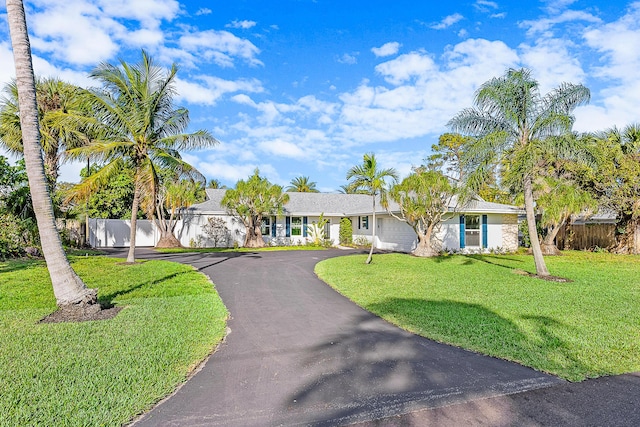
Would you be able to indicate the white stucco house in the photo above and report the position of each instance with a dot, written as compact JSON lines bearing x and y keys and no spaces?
{"x":477,"y":226}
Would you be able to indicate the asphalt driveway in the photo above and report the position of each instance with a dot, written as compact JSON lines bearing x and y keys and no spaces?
{"x":298,"y":353}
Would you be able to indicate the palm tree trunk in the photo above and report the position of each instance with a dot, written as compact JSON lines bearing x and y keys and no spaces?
{"x":131,"y":255}
{"x":68,"y":288}
{"x":538,"y":259}
{"x":373,"y":234}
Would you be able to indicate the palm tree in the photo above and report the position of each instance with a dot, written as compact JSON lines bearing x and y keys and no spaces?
{"x":369,"y":177}
{"x":61,"y":114}
{"x":302,"y":184}
{"x":68,"y":288}
{"x":512,"y":121}
{"x":143,"y":130}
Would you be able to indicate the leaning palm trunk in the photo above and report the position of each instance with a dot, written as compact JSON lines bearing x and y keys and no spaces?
{"x":68,"y":288}
{"x":541,"y":266}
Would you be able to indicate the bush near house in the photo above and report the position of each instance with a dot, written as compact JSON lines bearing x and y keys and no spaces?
{"x":346,"y":231}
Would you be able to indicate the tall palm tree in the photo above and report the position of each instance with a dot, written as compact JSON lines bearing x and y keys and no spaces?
{"x":143,"y":130}
{"x":62,"y":116}
{"x":302,"y":184}
{"x":512,"y":121}
{"x":369,"y":177}
{"x":68,"y":288}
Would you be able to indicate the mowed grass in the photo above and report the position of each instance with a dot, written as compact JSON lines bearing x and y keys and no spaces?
{"x":587,"y":328}
{"x":102,"y":372}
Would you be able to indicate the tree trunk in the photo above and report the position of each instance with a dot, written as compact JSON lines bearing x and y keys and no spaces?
{"x":131,"y":255}
{"x":168,"y":240}
{"x":424,"y":247}
{"x":538,"y":259}
{"x":627,"y":242}
{"x":68,"y":288}
{"x":548,"y":246}
{"x":253,"y":239}
{"x":373,"y":233}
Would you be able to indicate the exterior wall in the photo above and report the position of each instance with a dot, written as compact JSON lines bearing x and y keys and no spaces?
{"x":115,"y":233}
{"x":510,"y":232}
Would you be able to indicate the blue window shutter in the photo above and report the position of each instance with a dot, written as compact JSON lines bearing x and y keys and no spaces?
{"x":484,"y":231}
{"x":462,"y":232}
{"x":273,"y":226}
{"x":288,"y":226}
{"x":304,"y":226}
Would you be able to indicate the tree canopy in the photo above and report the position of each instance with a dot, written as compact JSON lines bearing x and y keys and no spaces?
{"x":251,"y":201}
{"x":302,"y":184}
{"x":512,"y":122}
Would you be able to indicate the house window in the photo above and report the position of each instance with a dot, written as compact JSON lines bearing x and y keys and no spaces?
{"x":296,"y":226}
{"x":265,"y":229}
{"x":472,"y":230}
{"x":363,"y":222}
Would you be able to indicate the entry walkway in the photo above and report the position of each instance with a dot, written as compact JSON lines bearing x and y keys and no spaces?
{"x":298,"y":353}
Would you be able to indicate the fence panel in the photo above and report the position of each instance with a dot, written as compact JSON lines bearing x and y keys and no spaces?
{"x":586,"y":236}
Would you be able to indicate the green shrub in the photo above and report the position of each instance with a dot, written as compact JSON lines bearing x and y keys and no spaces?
{"x":346,"y":231}
{"x":15,"y":235}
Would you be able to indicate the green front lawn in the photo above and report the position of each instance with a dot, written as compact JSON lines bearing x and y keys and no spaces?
{"x":587,"y":328}
{"x":102,"y":372}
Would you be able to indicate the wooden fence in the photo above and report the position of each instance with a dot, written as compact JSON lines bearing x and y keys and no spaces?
{"x":586,"y":236}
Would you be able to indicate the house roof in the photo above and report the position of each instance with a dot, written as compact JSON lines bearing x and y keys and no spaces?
{"x":335,"y":204}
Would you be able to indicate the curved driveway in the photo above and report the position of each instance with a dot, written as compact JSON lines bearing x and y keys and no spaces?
{"x":298,"y":353}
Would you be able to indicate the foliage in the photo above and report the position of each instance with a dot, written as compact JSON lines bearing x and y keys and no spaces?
{"x":448,"y":153}
{"x":252,"y":200}
{"x":316,"y":231}
{"x":615,"y":182}
{"x":302,"y":184}
{"x":576,"y":330}
{"x":62,"y":114}
{"x":14,"y":236}
{"x":423,"y":199}
{"x":215,"y":184}
{"x":141,"y":130}
{"x":217,"y":231}
{"x":346,"y":231}
{"x":515,"y":125}
{"x":372,"y":179}
{"x":109,"y":371}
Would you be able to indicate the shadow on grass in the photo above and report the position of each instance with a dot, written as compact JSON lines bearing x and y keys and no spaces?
{"x":497,"y":260}
{"x":377,"y":369}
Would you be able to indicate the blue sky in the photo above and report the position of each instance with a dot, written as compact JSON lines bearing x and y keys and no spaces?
{"x":302,"y":87}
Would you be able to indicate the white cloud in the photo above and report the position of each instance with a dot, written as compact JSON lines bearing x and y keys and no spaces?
{"x":280,"y":148}
{"x":447,"y":21}
{"x":386,"y":49}
{"x":220,"y":47}
{"x":544,"y":24}
{"x":204,"y":11}
{"x":485,"y":5}
{"x":245,"y":25}
{"x":207,"y":90}
{"x":405,"y":67}
{"x":348,"y":58}
{"x":552,"y":63}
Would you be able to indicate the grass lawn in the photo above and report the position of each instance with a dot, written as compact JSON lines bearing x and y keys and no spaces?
{"x":587,"y":328}
{"x":216,"y":250}
{"x":101,"y":372}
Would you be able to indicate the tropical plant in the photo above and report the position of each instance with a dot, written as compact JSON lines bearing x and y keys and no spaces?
{"x":252,"y":200}
{"x":142,"y":131}
{"x":512,"y":121}
{"x":215,"y":184}
{"x":62,"y":114}
{"x":302,"y":184}
{"x":368,"y":176}
{"x":423,"y":199}
{"x":173,"y":196}
{"x":69,"y":290}
{"x":448,"y":153}
{"x":558,"y":197}
{"x":616,"y":183}
{"x":315,"y":231}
